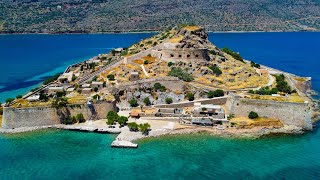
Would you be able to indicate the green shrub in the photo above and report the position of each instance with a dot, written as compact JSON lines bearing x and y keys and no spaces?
{"x":190,"y":96}
{"x":144,"y":128}
{"x":96,"y":89}
{"x":147,"y":101}
{"x":233,"y":54}
{"x":110,"y":77}
{"x":168,"y":100}
{"x":133,"y":103}
{"x":282,"y":85}
{"x":216,"y":93}
{"x":51,"y":79}
{"x":145,"y":62}
{"x":80,"y":118}
{"x":253,"y":115}
{"x":253,"y":64}
{"x":112,"y":117}
{"x":9,"y":100}
{"x":181,"y":74}
{"x":170,"y":64}
{"x":216,"y":70}
{"x":19,"y":97}
{"x":122,"y":120}
{"x":133,"y":126}
{"x":158,"y":86}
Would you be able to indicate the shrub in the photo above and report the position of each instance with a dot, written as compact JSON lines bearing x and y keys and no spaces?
{"x":190,"y":96}
{"x":112,"y":117}
{"x":96,"y":97}
{"x":144,"y":128}
{"x":111,"y":77}
{"x":233,"y":54}
{"x":133,"y":103}
{"x":60,"y":94}
{"x":170,"y":64}
{"x":19,"y":97}
{"x":216,"y":70}
{"x":230,"y":116}
{"x":253,"y":115}
{"x":216,"y":93}
{"x":253,"y":64}
{"x":282,"y":85}
{"x":9,"y":100}
{"x":51,"y":79}
{"x":80,"y":118}
{"x":147,"y":101}
{"x":158,"y":86}
{"x":181,"y":74}
{"x":122,"y":120}
{"x":145,"y":62}
{"x":96,"y":89}
{"x":59,"y":102}
{"x":168,"y":100}
{"x":133,"y":126}
{"x":149,"y":55}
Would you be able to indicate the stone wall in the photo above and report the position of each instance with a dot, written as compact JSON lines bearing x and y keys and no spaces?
{"x":185,"y":55}
{"x":215,"y":101}
{"x":44,"y":116}
{"x":289,"y":113}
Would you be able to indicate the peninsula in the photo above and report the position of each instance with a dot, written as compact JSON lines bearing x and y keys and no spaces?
{"x":173,"y":82}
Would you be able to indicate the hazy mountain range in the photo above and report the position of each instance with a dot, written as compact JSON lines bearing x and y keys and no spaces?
{"x":52,"y":16}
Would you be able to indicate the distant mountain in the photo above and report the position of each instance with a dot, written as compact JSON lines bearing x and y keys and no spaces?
{"x":53,"y":16}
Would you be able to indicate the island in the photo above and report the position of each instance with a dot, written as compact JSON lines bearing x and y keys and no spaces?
{"x":171,"y":83}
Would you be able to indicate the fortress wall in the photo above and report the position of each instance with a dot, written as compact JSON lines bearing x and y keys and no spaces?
{"x":45,"y":116}
{"x":215,"y":101}
{"x":289,"y":113}
{"x":189,"y":55}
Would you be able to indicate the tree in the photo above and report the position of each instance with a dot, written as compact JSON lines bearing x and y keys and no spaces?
{"x":112,"y":117}
{"x":158,"y":86}
{"x":170,"y":64}
{"x":96,"y":97}
{"x":147,"y":101}
{"x":253,"y":115}
{"x":19,"y":97}
{"x":216,"y":70}
{"x":111,"y":77}
{"x":122,"y":120}
{"x":233,"y":54}
{"x":60,"y":94}
{"x":133,"y":126}
{"x":145,"y":62}
{"x":133,"y":103}
{"x":96,"y":89}
{"x":190,"y":96}
{"x":181,"y":74}
{"x":216,"y":93}
{"x":9,"y":100}
{"x":168,"y":100}
{"x":144,"y":128}
{"x":80,"y":118}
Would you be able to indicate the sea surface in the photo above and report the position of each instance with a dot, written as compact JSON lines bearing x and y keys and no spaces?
{"x":56,"y":154}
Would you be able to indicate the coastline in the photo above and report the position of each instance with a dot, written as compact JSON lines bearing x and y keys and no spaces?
{"x":143,"y":32}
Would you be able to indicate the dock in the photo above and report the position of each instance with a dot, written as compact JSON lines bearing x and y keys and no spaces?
{"x":123,"y":144}
{"x":91,"y":129}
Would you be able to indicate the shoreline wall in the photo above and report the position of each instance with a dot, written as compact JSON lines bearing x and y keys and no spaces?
{"x":46,"y":116}
{"x":297,"y":114}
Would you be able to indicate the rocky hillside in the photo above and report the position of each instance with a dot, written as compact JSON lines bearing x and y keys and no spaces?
{"x":90,"y":16}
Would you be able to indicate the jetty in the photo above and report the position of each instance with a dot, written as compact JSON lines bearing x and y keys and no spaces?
{"x":123,"y":144}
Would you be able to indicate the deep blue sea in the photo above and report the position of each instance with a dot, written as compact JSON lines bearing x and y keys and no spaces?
{"x":55,"y":154}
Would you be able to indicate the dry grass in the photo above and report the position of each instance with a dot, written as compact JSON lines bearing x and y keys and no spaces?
{"x":138,"y":61}
{"x":291,"y":98}
{"x":176,"y":39}
{"x":301,"y":79}
{"x":25,"y":103}
{"x":245,"y":122}
{"x":150,"y":59}
{"x":77,"y":99}
{"x":191,"y":28}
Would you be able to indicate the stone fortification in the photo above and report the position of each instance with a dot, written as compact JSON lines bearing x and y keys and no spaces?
{"x":45,"y":116}
{"x":216,"y":101}
{"x":297,"y":114}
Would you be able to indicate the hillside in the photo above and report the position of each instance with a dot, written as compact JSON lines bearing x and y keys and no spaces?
{"x":51,"y":16}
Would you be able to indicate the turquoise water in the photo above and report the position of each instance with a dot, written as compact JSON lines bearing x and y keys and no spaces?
{"x":53,"y":154}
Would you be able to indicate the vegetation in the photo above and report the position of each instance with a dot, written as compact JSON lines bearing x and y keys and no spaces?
{"x":122,"y":120}
{"x":145,"y":62}
{"x":111,"y":77}
{"x":133,"y":103}
{"x":95,"y":89}
{"x":181,"y":74}
{"x":253,"y":115}
{"x":80,"y":118}
{"x":253,"y":64}
{"x":190,"y":96}
{"x":96,"y":97}
{"x":144,"y":128}
{"x":51,"y":79}
{"x":168,"y":100}
{"x":170,"y":64}
{"x":133,"y":126}
{"x":233,"y":54}
{"x":216,"y":70}
{"x":9,"y":100}
{"x":60,"y":94}
{"x":230,"y":116}
{"x":158,"y":86}
{"x":19,"y":97}
{"x":282,"y":84}
{"x":59,"y":102}
{"x":264,"y":91}
{"x":216,"y":93}
{"x":147,"y":101}
{"x":112,"y":117}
